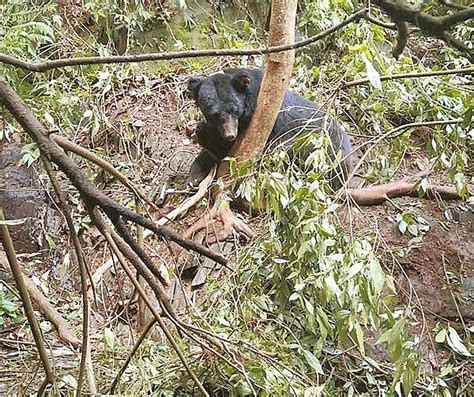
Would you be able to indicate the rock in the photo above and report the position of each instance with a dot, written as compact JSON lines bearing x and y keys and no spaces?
{"x":22,"y":197}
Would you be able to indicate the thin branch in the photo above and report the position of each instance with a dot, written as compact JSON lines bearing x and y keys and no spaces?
{"x":391,"y":134}
{"x":65,"y":333}
{"x":399,"y":76}
{"x":375,"y":21}
{"x":161,"y":56}
{"x":170,"y":216}
{"x":137,"y":345}
{"x":25,"y":298}
{"x":135,"y":246}
{"x":112,"y":239}
{"x":85,"y":352}
{"x":105,"y":165}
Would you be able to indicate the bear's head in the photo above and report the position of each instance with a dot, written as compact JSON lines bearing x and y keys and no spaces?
{"x":222,"y":97}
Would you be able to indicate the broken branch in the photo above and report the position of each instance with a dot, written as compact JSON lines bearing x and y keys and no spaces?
{"x":399,"y":76}
{"x":25,"y":298}
{"x":65,"y":333}
{"x":407,"y":186}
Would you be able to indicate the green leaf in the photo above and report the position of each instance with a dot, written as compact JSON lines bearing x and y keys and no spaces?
{"x":294,"y":296}
{"x":409,"y":377}
{"x":313,"y":362}
{"x":441,"y":336}
{"x":402,"y":226}
{"x":376,"y":274}
{"x":109,"y":338}
{"x":70,"y":381}
{"x":372,"y":74}
{"x":49,"y":118}
{"x":309,"y":306}
{"x":359,"y":334}
{"x":332,"y":285}
{"x":467,"y":119}
{"x":456,"y":343}
{"x":323,"y":322}
{"x":354,"y":269}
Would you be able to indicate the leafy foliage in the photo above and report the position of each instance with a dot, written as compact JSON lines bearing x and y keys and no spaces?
{"x":9,"y":310}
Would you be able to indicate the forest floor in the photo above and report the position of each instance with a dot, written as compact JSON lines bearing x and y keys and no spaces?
{"x":148,"y":140}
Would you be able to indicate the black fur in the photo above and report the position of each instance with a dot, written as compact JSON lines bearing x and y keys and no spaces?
{"x":228,"y":101}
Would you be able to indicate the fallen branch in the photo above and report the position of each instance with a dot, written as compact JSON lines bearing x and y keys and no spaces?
{"x":65,"y":333}
{"x":392,"y":134}
{"x":105,"y":165}
{"x":121,"y":250}
{"x":27,"y":305}
{"x":407,"y":186}
{"x":162,"y":56}
{"x":85,"y":348}
{"x":172,"y":215}
{"x":136,"y":346}
{"x":190,"y":202}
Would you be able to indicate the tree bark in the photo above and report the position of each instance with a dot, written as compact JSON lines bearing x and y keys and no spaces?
{"x":274,"y":83}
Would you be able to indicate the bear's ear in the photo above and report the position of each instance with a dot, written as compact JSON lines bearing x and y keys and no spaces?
{"x":241,"y":81}
{"x":193,"y":86}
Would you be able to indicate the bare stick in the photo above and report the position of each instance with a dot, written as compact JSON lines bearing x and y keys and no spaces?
{"x":105,"y":165}
{"x":111,"y":240}
{"x":170,"y":216}
{"x":25,"y":298}
{"x":65,"y":333}
{"x":392,"y":134}
{"x":399,"y":76}
{"x":407,"y":186}
{"x":162,"y":56}
{"x":137,"y":345}
{"x":85,"y":352}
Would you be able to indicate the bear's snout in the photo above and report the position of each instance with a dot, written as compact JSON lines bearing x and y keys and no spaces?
{"x":229,"y":129}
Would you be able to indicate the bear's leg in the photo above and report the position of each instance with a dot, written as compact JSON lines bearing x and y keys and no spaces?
{"x":200,"y":168}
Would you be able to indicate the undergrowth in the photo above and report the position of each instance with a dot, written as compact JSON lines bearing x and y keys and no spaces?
{"x":309,"y":300}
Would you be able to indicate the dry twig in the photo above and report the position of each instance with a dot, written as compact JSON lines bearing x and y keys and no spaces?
{"x":65,"y":333}
{"x":27,"y":305}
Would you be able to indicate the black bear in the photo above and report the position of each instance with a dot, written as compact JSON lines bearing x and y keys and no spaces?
{"x":228,"y":100}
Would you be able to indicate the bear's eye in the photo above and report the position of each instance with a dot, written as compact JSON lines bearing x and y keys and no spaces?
{"x":213,"y":112}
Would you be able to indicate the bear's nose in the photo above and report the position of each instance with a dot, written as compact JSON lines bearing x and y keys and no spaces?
{"x":229,"y":130}
{"x":230,"y":137}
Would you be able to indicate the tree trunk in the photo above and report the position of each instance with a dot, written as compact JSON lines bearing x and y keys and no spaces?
{"x":272,"y":89}
{"x":274,"y":84}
